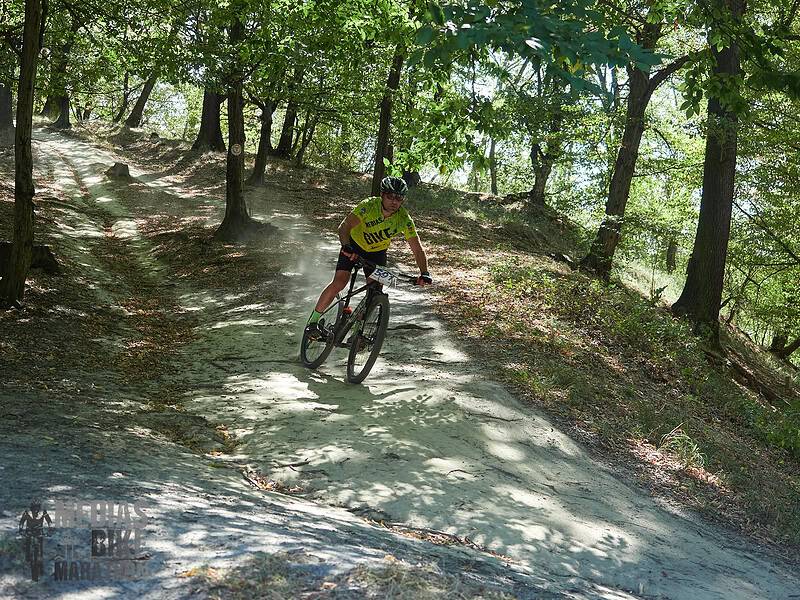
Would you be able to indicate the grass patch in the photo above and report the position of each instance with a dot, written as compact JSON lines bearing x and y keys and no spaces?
{"x":283,"y":577}
{"x":614,"y":364}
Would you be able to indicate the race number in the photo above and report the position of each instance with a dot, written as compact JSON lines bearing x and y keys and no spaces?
{"x":383,"y":276}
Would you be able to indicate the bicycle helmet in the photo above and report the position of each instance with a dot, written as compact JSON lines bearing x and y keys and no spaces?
{"x":394,"y":185}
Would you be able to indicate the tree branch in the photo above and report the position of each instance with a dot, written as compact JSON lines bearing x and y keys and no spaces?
{"x":760,"y":223}
{"x":661,"y":76}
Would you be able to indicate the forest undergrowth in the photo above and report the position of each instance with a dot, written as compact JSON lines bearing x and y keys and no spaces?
{"x":716,"y":432}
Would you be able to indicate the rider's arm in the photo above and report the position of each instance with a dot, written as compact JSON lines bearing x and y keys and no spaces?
{"x":419,"y":254}
{"x":345,"y":226}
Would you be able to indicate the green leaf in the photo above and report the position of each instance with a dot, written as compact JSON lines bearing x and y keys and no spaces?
{"x":436,"y":13}
{"x":424,"y":35}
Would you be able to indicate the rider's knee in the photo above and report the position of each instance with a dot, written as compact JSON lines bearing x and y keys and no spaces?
{"x":340,"y":280}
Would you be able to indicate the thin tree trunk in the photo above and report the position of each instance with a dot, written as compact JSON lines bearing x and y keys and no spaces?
{"x":55,"y":102}
{"x":50,"y":108}
{"x":542,"y":162}
{"x":779,"y":341}
{"x":789,"y":349}
{"x":284,"y":149}
{"x":493,"y":166}
{"x":135,"y":118}
{"x":382,"y":145}
{"x":63,"y":122}
{"x":6,"y":107}
{"x":264,"y":144}
{"x":641,"y":87}
{"x":308,"y":134}
{"x":601,"y":254}
{"x":126,"y":99}
{"x":87,"y":113}
{"x":412,"y":178}
{"x":702,"y":292}
{"x":237,"y":217}
{"x":672,"y":255}
{"x":12,"y":285}
{"x":544,"y":153}
{"x":6,"y":116}
{"x":210,"y":135}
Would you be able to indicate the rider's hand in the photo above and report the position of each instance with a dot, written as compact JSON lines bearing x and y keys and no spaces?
{"x":349,"y":252}
{"x":424,"y":279}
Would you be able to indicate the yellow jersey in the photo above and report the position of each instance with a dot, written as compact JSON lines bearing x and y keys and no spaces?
{"x":375,"y":232}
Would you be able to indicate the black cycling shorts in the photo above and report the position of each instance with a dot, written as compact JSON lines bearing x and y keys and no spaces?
{"x":345,"y":264}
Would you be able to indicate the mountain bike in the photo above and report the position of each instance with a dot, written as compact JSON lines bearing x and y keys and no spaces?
{"x":367,"y":322}
{"x":34,"y":543}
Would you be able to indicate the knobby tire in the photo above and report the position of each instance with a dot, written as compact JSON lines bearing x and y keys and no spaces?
{"x":375,"y":338}
{"x":311,"y":360}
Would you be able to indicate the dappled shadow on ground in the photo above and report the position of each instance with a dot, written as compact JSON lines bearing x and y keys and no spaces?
{"x":427,"y":442}
{"x":199,"y":511}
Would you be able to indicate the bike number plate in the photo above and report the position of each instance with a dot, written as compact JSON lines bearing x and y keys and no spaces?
{"x":383,"y":276}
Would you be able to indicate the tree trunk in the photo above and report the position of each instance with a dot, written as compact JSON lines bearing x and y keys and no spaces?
{"x":542,"y":163}
{"x":63,"y":122}
{"x":50,"y":108}
{"x":284,"y":149}
{"x":382,"y":146}
{"x":12,"y":285}
{"x":210,"y":135}
{"x":601,"y":254}
{"x":779,"y":341}
{"x":308,"y":134}
{"x":789,"y":349}
{"x":237,"y":218}
{"x":135,"y":118}
{"x":264,"y":144}
{"x":672,"y":255}
{"x":55,"y":103}
{"x":545,"y":152}
{"x":702,"y":292}
{"x":6,"y":107}
{"x":126,"y":98}
{"x":412,"y":178}
{"x":493,"y":166}
{"x":6,"y":118}
{"x":87,"y":113}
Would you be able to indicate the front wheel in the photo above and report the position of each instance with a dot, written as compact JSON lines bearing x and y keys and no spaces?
{"x":367,"y":339}
{"x":314,"y":352}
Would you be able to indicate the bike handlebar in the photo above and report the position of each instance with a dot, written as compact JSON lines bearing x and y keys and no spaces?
{"x":412,"y":279}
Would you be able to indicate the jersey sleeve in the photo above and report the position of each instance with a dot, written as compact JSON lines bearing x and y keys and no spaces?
{"x":409,"y":230}
{"x":361,"y":208}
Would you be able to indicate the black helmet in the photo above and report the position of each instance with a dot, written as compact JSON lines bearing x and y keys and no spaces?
{"x":394,"y":185}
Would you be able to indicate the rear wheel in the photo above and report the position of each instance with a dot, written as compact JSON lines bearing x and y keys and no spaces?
{"x":367,"y":339}
{"x":314,"y":352}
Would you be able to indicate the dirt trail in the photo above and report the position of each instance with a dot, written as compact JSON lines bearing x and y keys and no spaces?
{"x":428,"y":441}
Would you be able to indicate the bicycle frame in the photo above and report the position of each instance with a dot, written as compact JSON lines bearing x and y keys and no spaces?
{"x":343,"y":325}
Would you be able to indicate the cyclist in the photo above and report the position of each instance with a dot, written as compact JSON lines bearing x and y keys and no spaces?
{"x":367,"y":232}
{"x":31,"y":525}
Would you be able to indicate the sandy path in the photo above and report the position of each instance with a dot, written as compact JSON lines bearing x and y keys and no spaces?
{"x":427,"y":441}
{"x":430,"y":441}
{"x":97,"y":446}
